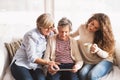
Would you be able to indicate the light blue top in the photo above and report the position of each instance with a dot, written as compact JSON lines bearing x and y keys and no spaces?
{"x":32,"y":47}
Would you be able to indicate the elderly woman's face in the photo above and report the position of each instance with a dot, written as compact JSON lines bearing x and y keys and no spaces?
{"x":63,"y":32}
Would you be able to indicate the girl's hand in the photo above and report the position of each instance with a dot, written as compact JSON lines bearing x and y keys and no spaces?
{"x":75,"y":69}
{"x":94,"y":48}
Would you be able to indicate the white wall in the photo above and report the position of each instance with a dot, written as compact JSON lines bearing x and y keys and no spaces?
{"x":78,"y":11}
{"x":16,"y":23}
{"x":19,"y":16}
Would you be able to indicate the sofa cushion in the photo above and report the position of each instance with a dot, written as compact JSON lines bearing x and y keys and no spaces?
{"x":12,"y":48}
{"x":117,"y":53}
{"x":113,"y":75}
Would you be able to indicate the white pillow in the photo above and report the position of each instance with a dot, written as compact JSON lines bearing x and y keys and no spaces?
{"x":8,"y":75}
{"x":113,"y":75}
{"x":117,"y":53}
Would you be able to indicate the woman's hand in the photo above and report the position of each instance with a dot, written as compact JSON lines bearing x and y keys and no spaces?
{"x":52,"y":69}
{"x":75,"y":69}
{"x":55,"y":31}
{"x":52,"y":63}
{"x":94,"y":48}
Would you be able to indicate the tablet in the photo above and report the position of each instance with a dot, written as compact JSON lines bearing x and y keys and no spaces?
{"x":65,"y":70}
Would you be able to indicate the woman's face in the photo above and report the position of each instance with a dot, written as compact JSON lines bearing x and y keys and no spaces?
{"x":64,"y":32}
{"x":93,"y":26}
{"x":46,"y":31}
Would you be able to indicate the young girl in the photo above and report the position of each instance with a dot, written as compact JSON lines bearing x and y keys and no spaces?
{"x":96,"y":44}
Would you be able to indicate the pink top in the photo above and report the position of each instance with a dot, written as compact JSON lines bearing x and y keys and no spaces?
{"x":62,"y":51}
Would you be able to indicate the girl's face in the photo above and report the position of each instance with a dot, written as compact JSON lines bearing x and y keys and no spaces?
{"x":93,"y":26}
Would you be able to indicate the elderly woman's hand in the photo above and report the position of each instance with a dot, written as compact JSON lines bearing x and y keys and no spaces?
{"x":52,"y":69}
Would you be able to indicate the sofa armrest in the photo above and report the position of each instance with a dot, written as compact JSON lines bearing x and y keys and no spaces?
{"x":8,"y":75}
{"x":117,"y":53}
{"x":1,"y":64}
{"x":3,"y":61}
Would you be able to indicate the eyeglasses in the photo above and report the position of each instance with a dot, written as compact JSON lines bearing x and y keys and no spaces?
{"x":49,"y":28}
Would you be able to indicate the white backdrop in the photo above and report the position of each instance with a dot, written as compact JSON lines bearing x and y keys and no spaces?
{"x":19,"y":16}
{"x":78,"y":11}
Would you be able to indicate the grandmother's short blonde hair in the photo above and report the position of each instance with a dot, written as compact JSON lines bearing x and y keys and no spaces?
{"x":45,"y":20}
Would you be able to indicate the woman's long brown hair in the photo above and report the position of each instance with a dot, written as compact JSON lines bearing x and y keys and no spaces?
{"x":104,"y":37}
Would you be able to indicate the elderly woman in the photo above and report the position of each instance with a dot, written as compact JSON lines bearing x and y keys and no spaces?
{"x":63,"y":49}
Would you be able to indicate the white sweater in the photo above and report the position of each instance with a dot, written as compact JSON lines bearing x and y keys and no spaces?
{"x":87,"y":37}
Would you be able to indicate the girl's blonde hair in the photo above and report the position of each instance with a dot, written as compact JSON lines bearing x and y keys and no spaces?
{"x":45,"y":21}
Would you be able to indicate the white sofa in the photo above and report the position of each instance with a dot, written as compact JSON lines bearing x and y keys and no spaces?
{"x":6,"y":75}
{"x":4,"y":60}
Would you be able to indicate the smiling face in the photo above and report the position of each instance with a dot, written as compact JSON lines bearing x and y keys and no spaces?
{"x":45,"y":24}
{"x":46,"y":30}
{"x":93,"y":26}
{"x":64,"y":32}
{"x":64,"y":28}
